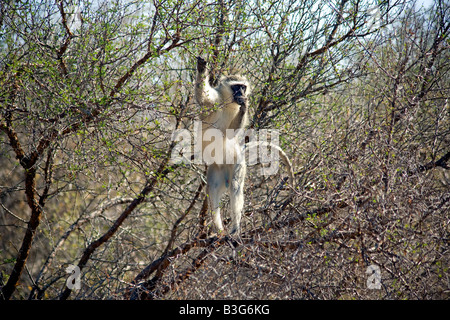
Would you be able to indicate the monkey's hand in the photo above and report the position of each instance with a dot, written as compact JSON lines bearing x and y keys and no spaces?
{"x":201,"y":65}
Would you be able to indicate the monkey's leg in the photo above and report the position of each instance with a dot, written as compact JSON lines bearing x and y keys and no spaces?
{"x":216,"y":189}
{"x":237,"y":196}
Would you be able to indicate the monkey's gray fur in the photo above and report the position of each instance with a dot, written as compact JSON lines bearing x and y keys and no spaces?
{"x":226,"y":106}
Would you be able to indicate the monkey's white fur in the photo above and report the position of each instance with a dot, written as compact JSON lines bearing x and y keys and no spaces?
{"x":223,"y":113}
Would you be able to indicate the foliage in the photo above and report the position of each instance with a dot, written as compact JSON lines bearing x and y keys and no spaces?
{"x":91,"y":92}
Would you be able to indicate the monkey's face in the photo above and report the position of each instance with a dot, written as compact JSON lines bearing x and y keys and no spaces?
{"x":239,"y":94}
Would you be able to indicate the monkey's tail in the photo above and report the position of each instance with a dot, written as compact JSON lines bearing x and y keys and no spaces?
{"x":284,"y":158}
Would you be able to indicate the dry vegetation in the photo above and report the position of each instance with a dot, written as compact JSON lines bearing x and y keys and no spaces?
{"x":90,"y":94}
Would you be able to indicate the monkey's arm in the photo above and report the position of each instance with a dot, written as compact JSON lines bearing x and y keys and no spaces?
{"x":204,"y":93}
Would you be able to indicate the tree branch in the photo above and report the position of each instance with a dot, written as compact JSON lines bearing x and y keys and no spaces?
{"x":33,"y":223}
{"x":140,"y":289}
{"x":161,"y":172}
{"x":442,"y":162}
{"x":66,"y":43}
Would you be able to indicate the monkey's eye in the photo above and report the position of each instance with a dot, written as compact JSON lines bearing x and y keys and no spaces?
{"x":238,"y":88}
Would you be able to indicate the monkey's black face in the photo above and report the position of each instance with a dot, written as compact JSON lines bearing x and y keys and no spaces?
{"x":239,"y":94}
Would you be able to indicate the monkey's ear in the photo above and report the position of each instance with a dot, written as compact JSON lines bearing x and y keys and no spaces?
{"x":201,"y":65}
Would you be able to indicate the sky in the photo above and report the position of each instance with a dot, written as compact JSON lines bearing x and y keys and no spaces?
{"x":425,"y":3}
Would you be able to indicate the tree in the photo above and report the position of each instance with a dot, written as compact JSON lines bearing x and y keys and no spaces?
{"x":91,"y":94}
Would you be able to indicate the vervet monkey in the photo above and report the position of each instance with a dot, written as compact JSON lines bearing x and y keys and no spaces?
{"x":226,"y":105}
